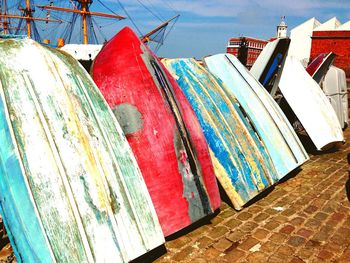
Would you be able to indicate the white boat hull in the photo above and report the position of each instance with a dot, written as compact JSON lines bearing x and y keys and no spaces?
{"x":310,"y":105}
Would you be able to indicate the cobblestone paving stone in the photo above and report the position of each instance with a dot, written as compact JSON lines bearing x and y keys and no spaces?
{"x":305,"y":218}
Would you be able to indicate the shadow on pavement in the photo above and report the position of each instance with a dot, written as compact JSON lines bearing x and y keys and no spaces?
{"x":151,"y":255}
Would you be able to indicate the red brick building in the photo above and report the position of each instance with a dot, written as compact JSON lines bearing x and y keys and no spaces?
{"x":337,"y":41}
{"x":246,"y":49}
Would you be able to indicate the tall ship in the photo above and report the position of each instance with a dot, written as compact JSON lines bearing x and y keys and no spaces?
{"x":79,"y":27}
{"x":59,"y":22}
{"x":46,"y":21}
{"x":16,"y":17}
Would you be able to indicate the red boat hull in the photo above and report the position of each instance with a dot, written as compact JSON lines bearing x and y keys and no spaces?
{"x":162,"y":130}
{"x":318,"y":68}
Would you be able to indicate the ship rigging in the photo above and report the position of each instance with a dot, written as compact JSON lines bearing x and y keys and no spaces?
{"x":74,"y":21}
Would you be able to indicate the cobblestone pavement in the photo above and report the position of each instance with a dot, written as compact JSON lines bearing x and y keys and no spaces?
{"x":305,"y":218}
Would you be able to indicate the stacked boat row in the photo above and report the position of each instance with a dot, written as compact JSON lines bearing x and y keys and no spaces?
{"x":92,"y":179}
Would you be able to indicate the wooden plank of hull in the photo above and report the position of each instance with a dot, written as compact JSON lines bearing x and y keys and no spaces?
{"x":241,"y":162}
{"x":310,"y":105}
{"x":168,"y":144}
{"x":75,"y":173}
{"x":279,"y":138}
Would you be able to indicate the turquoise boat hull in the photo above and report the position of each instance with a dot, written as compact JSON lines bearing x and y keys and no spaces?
{"x":70,"y":187}
{"x":282,"y":143}
{"x":241,"y":162}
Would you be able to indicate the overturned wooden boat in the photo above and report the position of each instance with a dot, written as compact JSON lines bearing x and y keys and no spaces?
{"x":161,"y":128}
{"x":279,"y":138}
{"x":242,"y":164}
{"x":70,"y":187}
{"x":269,"y":65}
{"x":310,"y":105}
{"x":318,"y":68}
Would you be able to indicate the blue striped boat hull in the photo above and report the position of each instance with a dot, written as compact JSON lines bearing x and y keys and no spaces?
{"x":282,"y":143}
{"x":241,"y":162}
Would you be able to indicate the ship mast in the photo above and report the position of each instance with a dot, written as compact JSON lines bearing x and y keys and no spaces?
{"x":84,"y":12}
{"x":146,"y":38}
{"x":28,"y":12}
{"x":27,"y":15}
{"x":3,"y":20}
{"x":84,"y":9}
{"x":4,"y":23}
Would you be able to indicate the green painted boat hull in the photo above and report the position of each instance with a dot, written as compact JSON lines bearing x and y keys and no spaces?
{"x":70,"y":187}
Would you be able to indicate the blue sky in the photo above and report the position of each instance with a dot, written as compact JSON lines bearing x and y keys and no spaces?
{"x":204,"y":27}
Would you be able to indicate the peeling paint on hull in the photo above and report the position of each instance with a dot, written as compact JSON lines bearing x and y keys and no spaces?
{"x":282,"y":143}
{"x":70,"y":188}
{"x":169,"y":145}
{"x":241,"y":162}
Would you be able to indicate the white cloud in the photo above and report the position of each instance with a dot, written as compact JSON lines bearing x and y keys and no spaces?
{"x":231,"y":8}
{"x":212,"y":22}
